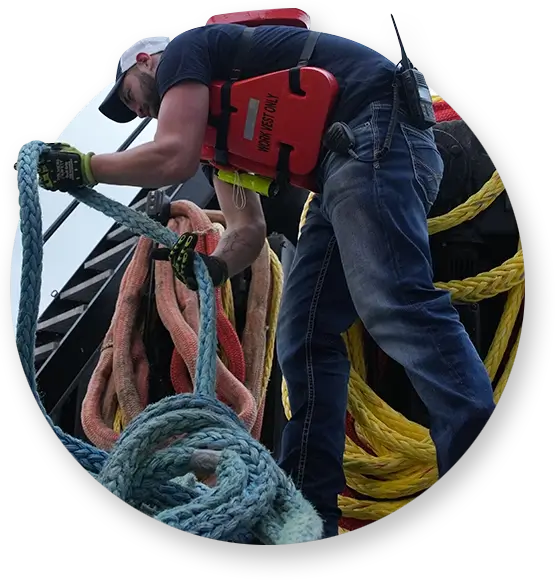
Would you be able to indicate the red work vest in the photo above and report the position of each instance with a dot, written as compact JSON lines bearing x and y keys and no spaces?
{"x":271,"y":125}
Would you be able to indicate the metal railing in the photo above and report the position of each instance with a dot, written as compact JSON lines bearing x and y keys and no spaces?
{"x":74,"y":203}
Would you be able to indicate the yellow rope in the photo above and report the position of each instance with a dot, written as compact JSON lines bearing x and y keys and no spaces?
{"x":403,"y":459}
{"x":473,"y":206}
{"x":276,"y":295}
{"x":228,"y":306}
{"x":118,"y":420}
{"x":228,"y":302}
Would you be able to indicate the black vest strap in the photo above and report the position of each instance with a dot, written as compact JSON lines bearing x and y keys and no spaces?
{"x":223,"y":124}
{"x":241,"y":54}
{"x":306,"y":54}
{"x":283,"y":165}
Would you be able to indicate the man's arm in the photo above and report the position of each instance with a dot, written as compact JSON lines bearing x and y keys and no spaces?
{"x":245,"y":232}
{"x":173,"y":156}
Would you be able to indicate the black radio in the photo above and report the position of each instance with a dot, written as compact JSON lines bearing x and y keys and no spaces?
{"x":416,"y":91}
{"x":418,"y":99}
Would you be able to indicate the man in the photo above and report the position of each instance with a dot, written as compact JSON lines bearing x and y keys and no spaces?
{"x":363,"y":251}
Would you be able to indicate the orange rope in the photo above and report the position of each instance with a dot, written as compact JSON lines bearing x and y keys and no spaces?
{"x":119,"y":382}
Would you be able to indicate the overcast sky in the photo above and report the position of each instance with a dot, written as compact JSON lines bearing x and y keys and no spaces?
{"x":70,"y":245}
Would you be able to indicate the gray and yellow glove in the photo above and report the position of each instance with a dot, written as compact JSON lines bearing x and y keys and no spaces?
{"x":62,"y":167}
{"x":182,"y":257}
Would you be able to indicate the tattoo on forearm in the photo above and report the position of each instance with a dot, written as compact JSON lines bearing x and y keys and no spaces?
{"x":232,"y":241}
{"x":238,"y":250}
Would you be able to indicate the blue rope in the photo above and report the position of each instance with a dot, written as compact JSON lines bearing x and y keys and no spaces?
{"x":151,"y":465}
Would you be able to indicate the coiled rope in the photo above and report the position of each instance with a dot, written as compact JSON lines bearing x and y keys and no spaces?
{"x":388,"y":459}
{"x":151,"y":464}
{"x":118,"y":388}
{"x":241,"y":381}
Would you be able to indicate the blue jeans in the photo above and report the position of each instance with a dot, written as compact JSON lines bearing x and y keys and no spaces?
{"x":364,"y":252}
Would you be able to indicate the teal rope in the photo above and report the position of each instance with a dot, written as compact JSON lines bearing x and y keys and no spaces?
{"x":150,"y":467}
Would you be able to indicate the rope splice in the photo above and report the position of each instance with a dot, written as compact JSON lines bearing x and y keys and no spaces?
{"x":152,"y":463}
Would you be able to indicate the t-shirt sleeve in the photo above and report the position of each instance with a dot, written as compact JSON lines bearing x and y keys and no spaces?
{"x":186,"y":58}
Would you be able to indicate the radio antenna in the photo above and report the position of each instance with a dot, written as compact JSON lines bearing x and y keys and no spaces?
{"x":405,"y":61}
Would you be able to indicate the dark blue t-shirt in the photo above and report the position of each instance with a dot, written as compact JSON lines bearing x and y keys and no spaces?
{"x":207,"y":53}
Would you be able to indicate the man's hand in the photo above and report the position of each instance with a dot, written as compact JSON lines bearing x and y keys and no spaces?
{"x":182,"y":256}
{"x":62,"y":167}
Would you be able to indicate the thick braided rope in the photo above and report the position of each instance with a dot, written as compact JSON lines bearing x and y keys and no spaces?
{"x":150,"y":466}
{"x":487,"y":284}
{"x":469,"y":209}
